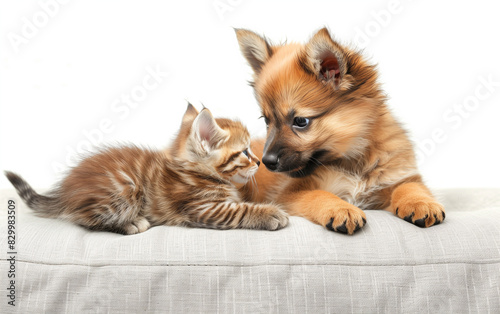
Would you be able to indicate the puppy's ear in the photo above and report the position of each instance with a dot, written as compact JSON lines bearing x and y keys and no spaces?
{"x":255,"y":48}
{"x":206,"y":132}
{"x":327,"y":60}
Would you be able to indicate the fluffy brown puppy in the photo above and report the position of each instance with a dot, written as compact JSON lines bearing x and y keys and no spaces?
{"x":332,"y":144}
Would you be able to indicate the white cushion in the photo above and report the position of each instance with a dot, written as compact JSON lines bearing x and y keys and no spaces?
{"x":389,"y":265}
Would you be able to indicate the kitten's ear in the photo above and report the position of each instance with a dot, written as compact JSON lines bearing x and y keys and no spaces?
{"x":326,"y":59}
{"x":206,"y":131}
{"x":190,"y":114}
{"x":255,"y":48}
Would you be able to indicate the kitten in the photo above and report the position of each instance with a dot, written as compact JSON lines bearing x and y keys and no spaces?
{"x":193,"y":183}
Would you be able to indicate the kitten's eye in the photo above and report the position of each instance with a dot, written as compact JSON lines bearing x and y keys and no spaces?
{"x":300,"y":122}
{"x":245,"y":152}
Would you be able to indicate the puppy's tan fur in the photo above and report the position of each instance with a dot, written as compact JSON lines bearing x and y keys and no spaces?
{"x":352,"y":155}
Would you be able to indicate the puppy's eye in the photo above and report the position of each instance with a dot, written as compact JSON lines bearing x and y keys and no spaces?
{"x":300,"y":122}
{"x":245,"y":152}
{"x":266,"y":120}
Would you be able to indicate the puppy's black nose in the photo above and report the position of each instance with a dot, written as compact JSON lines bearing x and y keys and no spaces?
{"x":271,"y":161}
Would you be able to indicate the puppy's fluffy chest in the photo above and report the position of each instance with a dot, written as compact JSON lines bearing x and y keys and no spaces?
{"x":361,"y":190}
{"x":352,"y":188}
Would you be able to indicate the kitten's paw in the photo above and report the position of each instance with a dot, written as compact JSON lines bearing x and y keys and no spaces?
{"x":278,"y":219}
{"x":423,"y":212}
{"x":140,"y":224}
{"x":345,"y":218}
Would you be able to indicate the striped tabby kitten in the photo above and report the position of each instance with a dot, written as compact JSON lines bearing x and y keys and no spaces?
{"x":194,"y":183}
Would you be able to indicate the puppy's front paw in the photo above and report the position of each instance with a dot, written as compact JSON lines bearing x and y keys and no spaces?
{"x":345,"y":218}
{"x":423,"y":212}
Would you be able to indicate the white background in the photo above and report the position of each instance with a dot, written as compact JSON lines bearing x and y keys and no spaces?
{"x":63,"y":77}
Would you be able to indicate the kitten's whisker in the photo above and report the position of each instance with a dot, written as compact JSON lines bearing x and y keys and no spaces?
{"x":254,"y":185}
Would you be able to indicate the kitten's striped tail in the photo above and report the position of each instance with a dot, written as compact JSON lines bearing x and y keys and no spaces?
{"x":42,"y":205}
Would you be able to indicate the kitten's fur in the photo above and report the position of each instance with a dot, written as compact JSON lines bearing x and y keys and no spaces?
{"x":194,"y":183}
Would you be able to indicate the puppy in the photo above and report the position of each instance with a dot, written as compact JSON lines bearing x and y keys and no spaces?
{"x":333,"y":147}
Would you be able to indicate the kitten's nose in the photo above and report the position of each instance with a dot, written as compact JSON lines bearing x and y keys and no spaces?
{"x":271,"y":161}
{"x":258,"y":163}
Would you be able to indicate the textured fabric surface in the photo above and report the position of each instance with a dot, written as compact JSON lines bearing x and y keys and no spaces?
{"x":387,"y":266}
